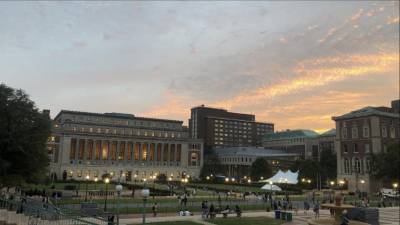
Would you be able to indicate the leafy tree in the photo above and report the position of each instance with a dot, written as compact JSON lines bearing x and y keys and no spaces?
{"x":23,"y":135}
{"x":386,"y":165}
{"x":212,"y":165}
{"x":328,"y":165}
{"x":260,"y":168}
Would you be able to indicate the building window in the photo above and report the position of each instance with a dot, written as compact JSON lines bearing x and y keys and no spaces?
{"x":98,"y":150}
{"x":346,"y":165}
{"x":105,"y":149}
{"x":366,"y":132}
{"x":144,"y":152}
{"x":384,"y":132}
{"x":345,"y":149}
{"x":90,"y":150}
{"x":114,"y":150}
{"x":355,"y":148}
{"x":367,"y":148}
{"x":159,"y":152}
{"x":392,"y":132}
{"x":129,"y":151}
{"x":81,"y":151}
{"x":368,"y":164}
{"x":344,"y":132}
{"x":357,"y":165}
{"x":152,"y":151}
{"x":121,"y":155}
{"x":165,"y":153}
{"x":136,"y":151}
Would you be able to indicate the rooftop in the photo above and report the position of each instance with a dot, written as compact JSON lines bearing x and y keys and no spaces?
{"x":331,"y":132}
{"x":367,"y":111}
{"x":115,"y":115}
{"x":300,"y":133}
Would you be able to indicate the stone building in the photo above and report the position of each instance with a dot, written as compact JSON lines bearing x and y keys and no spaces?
{"x":236,"y":161}
{"x":359,"y":134}
{"x":122,"y":146}
{"x":303,"y":142}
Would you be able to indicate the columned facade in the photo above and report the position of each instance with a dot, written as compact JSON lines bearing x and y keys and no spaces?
{"x":125,"y":153}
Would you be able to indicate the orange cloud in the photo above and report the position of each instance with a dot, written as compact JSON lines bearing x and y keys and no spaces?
{"x":318,"y":72}
{"x":393,"y":20}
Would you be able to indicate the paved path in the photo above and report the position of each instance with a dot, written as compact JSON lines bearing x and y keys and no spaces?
{"x":387,"y":216}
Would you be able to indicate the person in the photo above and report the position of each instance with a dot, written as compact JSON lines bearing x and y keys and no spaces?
{"x":228,"y":208}
{"x":211,"y":212}
{"x":204,"y":209}
{"x":316,"y":210}
{"x":344,"y":218}
{"x":306,"y":207}
{"x":238,"y":211}
{"x":154,"y":209}
{"x":184,"y":200}
{"x":110,"y":219}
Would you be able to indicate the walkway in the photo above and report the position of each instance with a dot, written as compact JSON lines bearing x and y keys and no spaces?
{"x":387,"y":216}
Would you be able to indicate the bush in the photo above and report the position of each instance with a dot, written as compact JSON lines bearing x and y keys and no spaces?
{"x":70,"y":187}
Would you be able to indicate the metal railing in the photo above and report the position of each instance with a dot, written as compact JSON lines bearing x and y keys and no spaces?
{"x":30,"y":211}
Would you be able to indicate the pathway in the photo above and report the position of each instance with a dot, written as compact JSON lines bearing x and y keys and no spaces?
{"x":387,"y":216}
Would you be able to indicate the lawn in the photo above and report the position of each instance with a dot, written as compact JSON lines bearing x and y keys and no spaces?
{"x":175,"y":223}
{"x":246,"y":221}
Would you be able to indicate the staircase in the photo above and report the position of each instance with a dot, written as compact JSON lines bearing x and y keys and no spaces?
{"x":30,"y":211}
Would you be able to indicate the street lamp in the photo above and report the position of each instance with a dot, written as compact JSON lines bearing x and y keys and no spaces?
{"x":106,"y":181}
{"x":395,"y":185}
{"x":87,"y":181}
{"x":145,"y":194}
{"x":332,"y":183}
{"x":118,"y":188}
{"x":227,"y":179}
{"x":95,"y":182}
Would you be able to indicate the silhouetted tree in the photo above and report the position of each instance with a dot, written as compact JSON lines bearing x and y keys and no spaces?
{"x":23,"y":135}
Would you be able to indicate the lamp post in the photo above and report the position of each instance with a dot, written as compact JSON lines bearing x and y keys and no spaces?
{"x":106,"y":181}
{"x":395,"y":185}
{"x":86,"y":189}
{"x":95,"y":182}
{"x":145,"y":194}
{"x":118,"y":188}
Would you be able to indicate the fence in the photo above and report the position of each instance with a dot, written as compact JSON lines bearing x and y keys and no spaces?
{"x":30,"y":211}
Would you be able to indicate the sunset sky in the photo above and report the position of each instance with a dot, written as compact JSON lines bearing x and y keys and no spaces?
{"x":295,"y":64}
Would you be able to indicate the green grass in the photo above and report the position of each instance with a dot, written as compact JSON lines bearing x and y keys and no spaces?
{"x":246,"y":221}
{"x":175,"y":223}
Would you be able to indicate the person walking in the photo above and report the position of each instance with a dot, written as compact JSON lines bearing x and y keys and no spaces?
{"x":154,"y":209}
{"x":211,"y":212}
{"x":316,"y":210}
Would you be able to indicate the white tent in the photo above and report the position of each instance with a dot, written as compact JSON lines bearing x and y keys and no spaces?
{"x":269,"y":187}
{"x":281,"y":177}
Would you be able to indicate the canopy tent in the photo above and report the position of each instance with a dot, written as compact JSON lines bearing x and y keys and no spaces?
{"x":271,"y":187}
{"x":287,"y":177}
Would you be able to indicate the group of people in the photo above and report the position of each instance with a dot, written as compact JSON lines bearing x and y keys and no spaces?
{"x":210,"y":212}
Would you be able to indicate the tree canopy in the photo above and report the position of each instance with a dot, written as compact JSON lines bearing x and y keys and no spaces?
{"x":23,"y":135}
{"x":260,"y":168}
{"x":386,"y":165}
{"x":212,"y":165}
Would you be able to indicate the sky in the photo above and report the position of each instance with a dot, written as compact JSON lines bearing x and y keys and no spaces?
{"x":295,"y":64}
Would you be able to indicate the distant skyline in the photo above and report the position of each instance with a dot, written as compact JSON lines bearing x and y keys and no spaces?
{"x":295,"y":64}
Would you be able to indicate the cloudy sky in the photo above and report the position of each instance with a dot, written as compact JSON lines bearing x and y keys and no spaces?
{"x":295,"y":64}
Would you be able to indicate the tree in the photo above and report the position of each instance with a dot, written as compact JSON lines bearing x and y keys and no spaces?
{"x":308,"y":169}
{"x":260,"y":168}
{"x":23,"y":135}
{"x":212,"y":165}
{"x":328,"y":165}
{"x":386,"y":165}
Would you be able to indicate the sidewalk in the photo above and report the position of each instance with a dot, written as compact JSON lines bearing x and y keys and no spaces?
{"x":387,"y":216}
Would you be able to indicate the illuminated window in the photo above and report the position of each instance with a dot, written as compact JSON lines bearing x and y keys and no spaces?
{"x":105,"y":149}
{"x":144,"y":152}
